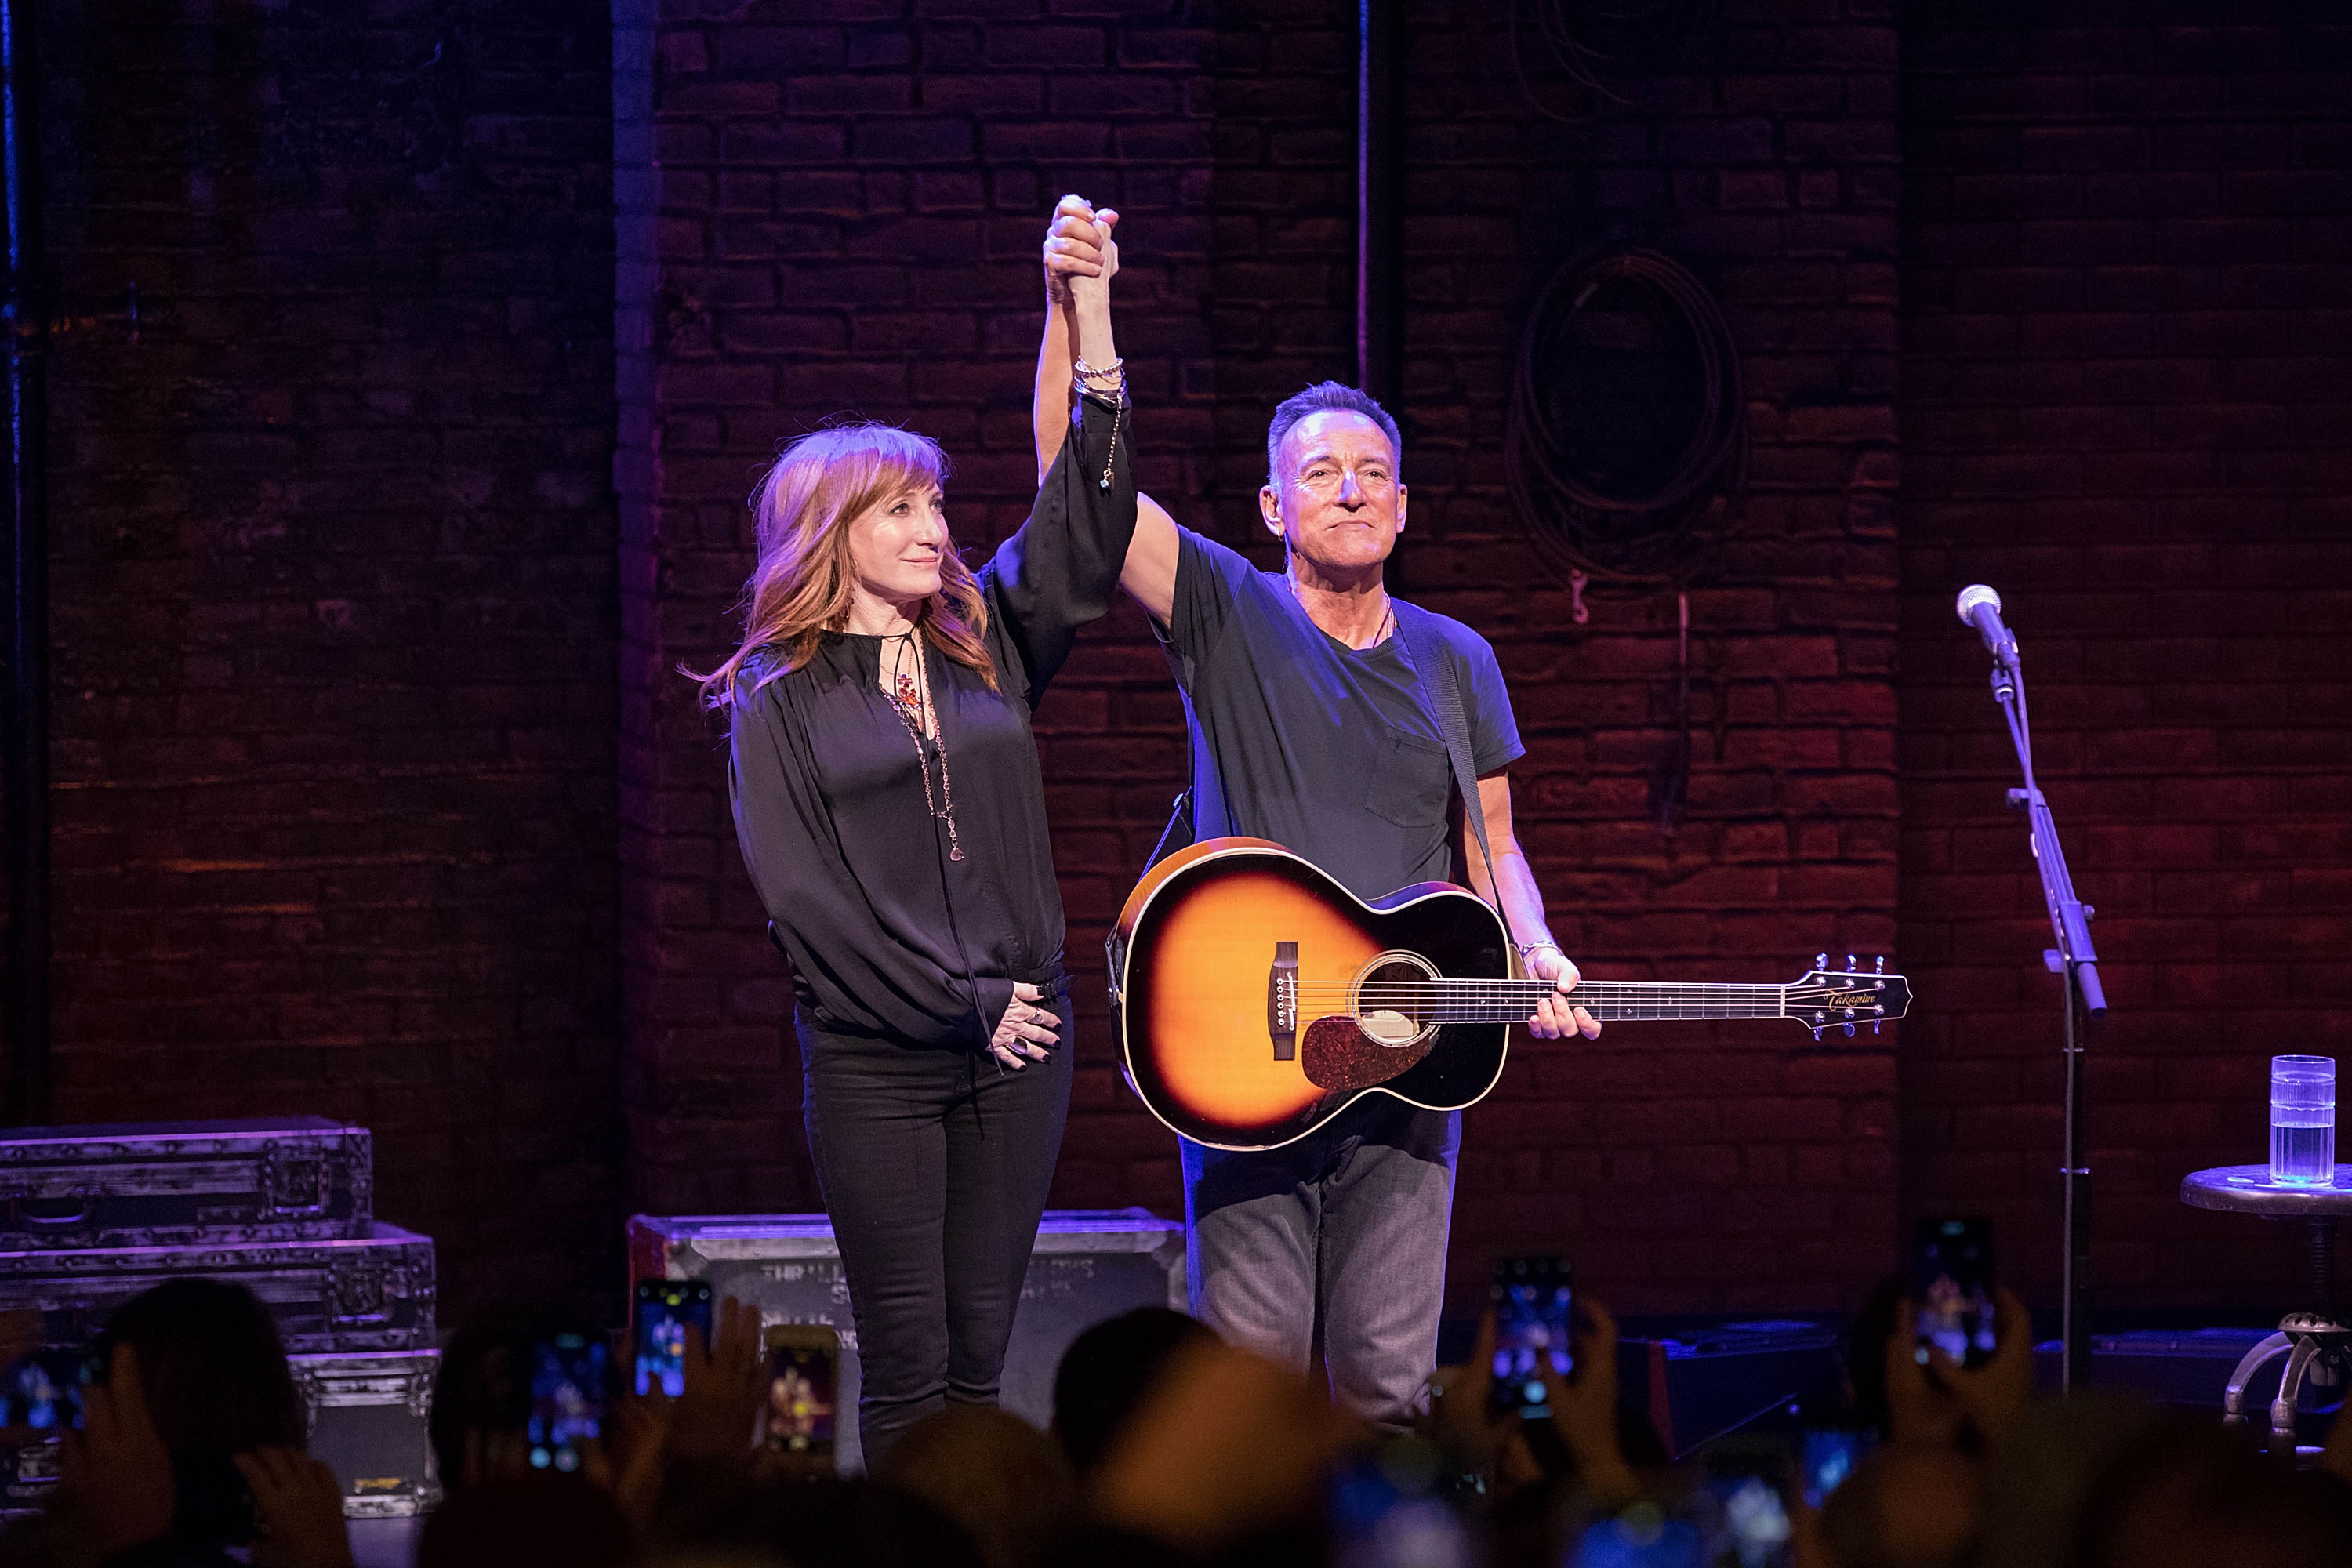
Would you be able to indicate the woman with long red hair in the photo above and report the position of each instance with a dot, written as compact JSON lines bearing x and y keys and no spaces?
{"x":890,"y":809}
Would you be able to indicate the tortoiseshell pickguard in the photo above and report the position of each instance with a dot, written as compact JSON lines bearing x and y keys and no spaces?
{"x":1337,"y":1054}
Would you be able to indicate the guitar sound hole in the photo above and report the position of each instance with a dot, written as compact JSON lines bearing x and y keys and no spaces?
{"x":1392,"y":1002}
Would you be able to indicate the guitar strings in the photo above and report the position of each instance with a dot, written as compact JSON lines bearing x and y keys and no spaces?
{"x":1472,"y":1000}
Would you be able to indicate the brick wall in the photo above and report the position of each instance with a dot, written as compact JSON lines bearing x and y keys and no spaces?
{"x":2123,"y":304}
{"x":470,"y":328}
{"x":1686,"y":1167}
{"x":333,"y":631}
{"x":843,"y":218}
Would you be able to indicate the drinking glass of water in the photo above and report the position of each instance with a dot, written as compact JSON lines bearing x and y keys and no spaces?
{"x":2303,"y":1121}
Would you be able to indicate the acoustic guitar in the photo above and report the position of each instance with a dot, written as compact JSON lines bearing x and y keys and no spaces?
{"x":1257,"y":998}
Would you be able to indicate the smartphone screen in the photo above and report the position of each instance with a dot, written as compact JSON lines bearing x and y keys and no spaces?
{"x":1531,"y":1303}
{"x":567,"y":1398}
{"x":1951,"y":1285}
{"x":1827,"y":1456}
{"x":804,"y":1377}
{"x":665,"y":1309}
{"x":1745,"y":1511}
{"x":42,"y":1390}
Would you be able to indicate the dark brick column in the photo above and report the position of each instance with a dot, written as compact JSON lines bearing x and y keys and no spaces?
{"x":332,"y":618}
{"x":2125,"y":306}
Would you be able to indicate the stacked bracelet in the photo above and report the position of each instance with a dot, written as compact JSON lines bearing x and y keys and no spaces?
{"x":1527,"y":947}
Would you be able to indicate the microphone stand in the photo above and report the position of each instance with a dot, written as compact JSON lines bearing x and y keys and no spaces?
{"x":2077,"y":962}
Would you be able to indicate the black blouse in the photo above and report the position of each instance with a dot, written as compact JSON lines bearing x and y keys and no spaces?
{"x":887,"y":936}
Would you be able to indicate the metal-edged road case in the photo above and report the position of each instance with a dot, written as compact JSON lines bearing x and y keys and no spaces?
{"x":161,"y":1183}
{"x":362,"y":1293}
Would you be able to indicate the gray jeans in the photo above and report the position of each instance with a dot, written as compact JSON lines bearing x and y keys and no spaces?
{"x":1347,"y":1222}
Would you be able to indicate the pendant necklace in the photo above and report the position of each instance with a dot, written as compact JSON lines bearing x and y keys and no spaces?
{"x":909,"y":693}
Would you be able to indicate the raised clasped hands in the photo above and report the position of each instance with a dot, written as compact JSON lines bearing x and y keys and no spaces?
{"x":1557,"y":1016}
{"x":1028,"y":1032}
{"x":1080,"y":253}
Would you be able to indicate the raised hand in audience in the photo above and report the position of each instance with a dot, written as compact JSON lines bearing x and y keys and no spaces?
{"x":1584,"y":1406}
{"x":1461,"y":1417}
{"x":117,"y":1470}
{"x":298,"y":1507}
{"x":1933,"y":1399}
{"x":726,"y":1388}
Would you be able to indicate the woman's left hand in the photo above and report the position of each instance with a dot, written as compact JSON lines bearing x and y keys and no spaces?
{"x":1027,"y":1033}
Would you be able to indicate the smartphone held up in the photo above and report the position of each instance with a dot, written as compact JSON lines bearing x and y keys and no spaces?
{"x":569,"y":1387}
{"x":1532,"y":1301}
{"x":666,"y":1309}
{"x":1951,"y":1288}
{"x":803,"y":1388}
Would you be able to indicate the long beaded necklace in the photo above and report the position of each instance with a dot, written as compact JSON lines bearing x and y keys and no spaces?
{"x":909,"y":697}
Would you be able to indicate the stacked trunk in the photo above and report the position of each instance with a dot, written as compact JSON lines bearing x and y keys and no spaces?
{"x":91,"y":1217}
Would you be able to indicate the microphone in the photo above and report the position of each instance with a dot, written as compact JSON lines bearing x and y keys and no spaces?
{"x":1980,"y":606}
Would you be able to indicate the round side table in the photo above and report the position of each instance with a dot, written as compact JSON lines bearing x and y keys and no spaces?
{"x":2303,"y":1336}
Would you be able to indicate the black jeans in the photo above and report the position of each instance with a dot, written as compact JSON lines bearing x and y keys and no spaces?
{"x":934,"y":1165}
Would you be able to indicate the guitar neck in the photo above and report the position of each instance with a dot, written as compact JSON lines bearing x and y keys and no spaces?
{"x":1609,"y":1001}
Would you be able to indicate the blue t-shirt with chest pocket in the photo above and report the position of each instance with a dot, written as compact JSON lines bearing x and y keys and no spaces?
{"x":1333,"y":752}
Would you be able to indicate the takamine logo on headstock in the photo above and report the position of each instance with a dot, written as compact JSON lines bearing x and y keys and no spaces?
{"x":1830,"y":998}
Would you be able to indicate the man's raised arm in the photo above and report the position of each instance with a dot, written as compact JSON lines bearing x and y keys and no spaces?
{"x":1077,"y":244}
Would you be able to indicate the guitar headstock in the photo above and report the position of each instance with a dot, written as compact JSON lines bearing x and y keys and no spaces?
{"x":1829,"y":998}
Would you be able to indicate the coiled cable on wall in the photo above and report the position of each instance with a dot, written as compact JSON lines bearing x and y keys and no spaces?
{"x":1655,"y":533}
{"x":1605,"y":45}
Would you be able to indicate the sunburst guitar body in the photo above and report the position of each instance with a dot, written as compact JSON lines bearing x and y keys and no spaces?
{"x":1257,"y":998}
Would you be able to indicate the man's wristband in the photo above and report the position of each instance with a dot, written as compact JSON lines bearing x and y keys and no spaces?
{"x":1527,"y":947}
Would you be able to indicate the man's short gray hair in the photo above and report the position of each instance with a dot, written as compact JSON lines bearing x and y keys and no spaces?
{"x":1316,"y":399}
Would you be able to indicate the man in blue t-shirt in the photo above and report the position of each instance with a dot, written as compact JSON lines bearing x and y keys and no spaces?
{"x":1310,"y":726}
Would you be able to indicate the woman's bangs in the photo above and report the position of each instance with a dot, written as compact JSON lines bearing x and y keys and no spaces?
{"x":900,"y":461}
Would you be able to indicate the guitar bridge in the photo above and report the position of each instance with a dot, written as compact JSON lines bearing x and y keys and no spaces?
{"x":1282,"y":1002}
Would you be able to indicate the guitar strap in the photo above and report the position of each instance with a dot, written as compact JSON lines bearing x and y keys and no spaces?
{"x":1421,"y":648}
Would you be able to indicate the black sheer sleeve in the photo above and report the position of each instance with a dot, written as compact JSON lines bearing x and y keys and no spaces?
{"x":1061,"y":569}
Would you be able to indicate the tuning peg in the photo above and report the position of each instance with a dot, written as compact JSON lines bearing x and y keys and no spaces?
{"x":1820,"y":960}
{"x":1849,"y":1031}
{"x":1882,"y":965}
{"x":1874,"y":1029}
{"x":1817,"y":1034}
{"x":1849,"y":962}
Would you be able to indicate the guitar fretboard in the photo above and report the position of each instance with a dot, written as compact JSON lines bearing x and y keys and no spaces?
{"x":1515,"y":1001}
